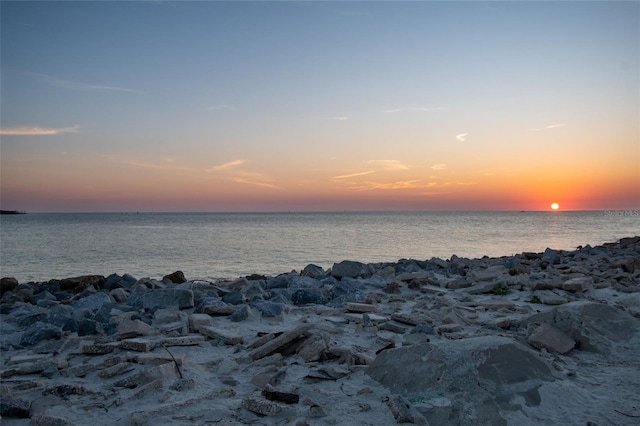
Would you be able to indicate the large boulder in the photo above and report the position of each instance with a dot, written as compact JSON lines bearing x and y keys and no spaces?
{"x":78,"y":284}
{"x":451,"y":382}
{"x":167,"y":298}
{"x":350,"y":269}
{"x":7,"y":284}
{"x":595,"y":327}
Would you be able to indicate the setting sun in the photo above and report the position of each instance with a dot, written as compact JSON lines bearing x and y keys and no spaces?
{"x":555,"y":206}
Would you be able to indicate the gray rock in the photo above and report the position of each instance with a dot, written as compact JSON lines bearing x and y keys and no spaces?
{"x":578,"y":284}
{"x":92,"y":303}
{"x":7,"y":284}
{"x":241,"y":314}
{"x":166,"y":298}
{"x":38,"y":332}
{"x":308,"y":296}
{"x":350,"y":269}
{"x":176,"y":277}
{"x":487,"y":373}
{"x":14,"y":407}
{"x":268,"y":309}
{"x":550,"y":338}
{"x":313,"y":271}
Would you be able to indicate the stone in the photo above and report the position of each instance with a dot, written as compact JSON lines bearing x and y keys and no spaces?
{"x":313,"y":271}
{"x":166,"y":371}
{"x":79,"y":284}
{"x":313,"y":348}
{"x":306,"y":296}
{"x":97,"y":348}
{"x":159,"y":358}
{"x":14,"y":407}
{"x":263,"y":407}
{"x":487,"y":373}
{"x":268,"y":309}
{"x":199,"y":320}
{"x":137,"y":344}
{"x":359,"y":318}
{"x":93,"y":302}
{"x":360,"y":307}
{"x":216,"y":334}
{"x":578,"y":284}
{"x":134,"y":328}
{"x":169,"y":297}
{"x":550,"y":338}
{"x":38,"y":332}
{"x":191,"y":340}
{"x":241,"y":314}
{"x":275,"y":395}
{"x":549,"y":297}
{"x":351,"y":269}
{"x":278,"y":342}
{"x":120,"y":295}
{"x":403,"y":412}
{"x":7,"y":284}
{"x":176,"y":277}
{"x":116,"y":370}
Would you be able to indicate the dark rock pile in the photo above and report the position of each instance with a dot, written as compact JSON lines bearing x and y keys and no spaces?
{"x":458,"y":341}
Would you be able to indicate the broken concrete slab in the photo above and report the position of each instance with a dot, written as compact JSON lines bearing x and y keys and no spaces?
{"x":550,"y":338}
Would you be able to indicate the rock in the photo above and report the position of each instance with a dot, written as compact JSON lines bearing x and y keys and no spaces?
{"x":14,"y":407}
{"x":199,"y":320}
{"x":274,"y":395}
{"x":7,"y":284}
{"x":276,"y":344}
{"x":313,"y":271}
{"x":578,"y":284}
{"x":166,"y":298}
{"x":137,"y":344}
{"x":79,"y":284}
{"x":403,"y":412}
{"x":308,"y":296}
{"x":313,"y":348}
{"x":120,"y":295}
{"x":38,"y":332}
{"x":360,"y":307}
{"x":134,"y":328}
{"x":263,"y":407}
{"x":92,"y":303}
{"x":549,"y":297}
{"x":176,"y":277}
{"x":268,"y":309}
{"x":214,"y":333}
{"x":241,"y":314}
{"x":550,"y":338}
{"x":350,"y":269}
{"x":487,"y":373}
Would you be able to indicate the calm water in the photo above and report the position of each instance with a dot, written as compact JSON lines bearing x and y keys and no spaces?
{"x":210,"y":246}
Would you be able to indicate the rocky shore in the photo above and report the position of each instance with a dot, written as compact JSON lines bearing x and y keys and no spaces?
{"x":535,"y":338}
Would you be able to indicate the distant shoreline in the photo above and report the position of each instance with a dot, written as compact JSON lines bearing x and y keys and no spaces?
{"x":12,"y":212}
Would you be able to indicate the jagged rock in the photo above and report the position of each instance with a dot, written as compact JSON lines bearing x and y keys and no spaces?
{"x":484,"y":372}
{"x":268,"y":309}
{"x":313,"y":271}
{"x":275,"y":395}
{"x":38,"y":332}
{"x":350,"y":269}
{"x":550,"y":338}
{"x":166,"y":298}
{"x":7,"y":284}
{"x":176,"y":277}
{"x":14,"y":407}
{"x":79,"y":284}
{"x":241,"y":314}
{"x":578,"y":284}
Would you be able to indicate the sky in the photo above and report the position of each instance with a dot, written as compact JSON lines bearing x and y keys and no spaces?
{"x":319,"y":106}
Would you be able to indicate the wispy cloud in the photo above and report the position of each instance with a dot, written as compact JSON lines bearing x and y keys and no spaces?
{"x":368,"y":172}
{"x":438,"y":167}
{"x":339,"y":118}
{"x":227,"y":166}
{"x":407,"y":184}
{"x":255,"y":183}
{"x":76,"y":85}
{"x":462,"y":136}
{"x":37,"y":131}
{"x":389,"y":164}
{"x":552,"y":126}
{"x":418,"y":109}
{"x":220,"y":107}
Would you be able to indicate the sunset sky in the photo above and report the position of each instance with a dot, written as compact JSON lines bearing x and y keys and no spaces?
{"x":319,"y":106}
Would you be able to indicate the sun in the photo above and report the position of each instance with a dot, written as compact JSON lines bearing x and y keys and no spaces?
{"x":555,"y":206}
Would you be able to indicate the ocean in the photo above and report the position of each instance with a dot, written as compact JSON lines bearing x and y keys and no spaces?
{"x":212,"y":246}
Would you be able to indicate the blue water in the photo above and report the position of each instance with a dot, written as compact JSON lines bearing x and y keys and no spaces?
{"x":38,"y":247}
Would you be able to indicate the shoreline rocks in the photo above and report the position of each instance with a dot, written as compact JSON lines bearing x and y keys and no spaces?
{"x":489,"y":340}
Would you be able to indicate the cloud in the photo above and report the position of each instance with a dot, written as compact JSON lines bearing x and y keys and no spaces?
{"x":75,"y":85}
{"x":368,"y":172}
{"x":461,"y":136}
{"x":37,"y":131}
{"x":226,"y":166}
{"x":420,"y":109}
{"x":389,"y":164}
{"x":167,"y":166}
{"x":438,"y":167}
{"x":339,"y":118}
{"x":256,"y":183}
{"x":407,"y":184}
{"x":552,"y":126}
